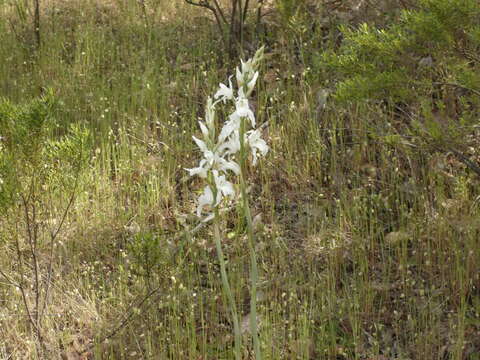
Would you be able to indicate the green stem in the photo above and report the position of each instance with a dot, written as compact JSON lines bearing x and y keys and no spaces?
{"x":226,"y":287}
{"x":251,"y":245}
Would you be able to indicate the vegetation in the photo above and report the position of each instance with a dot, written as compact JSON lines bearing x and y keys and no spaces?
{"x":365,"y":211}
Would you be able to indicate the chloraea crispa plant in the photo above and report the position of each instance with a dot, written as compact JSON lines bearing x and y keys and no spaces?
{"x":223,"y":166}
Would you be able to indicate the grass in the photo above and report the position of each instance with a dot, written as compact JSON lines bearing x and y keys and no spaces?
{"x":367,"y":249}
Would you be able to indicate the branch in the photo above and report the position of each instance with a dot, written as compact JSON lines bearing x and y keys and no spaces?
{"x":259,"y":15}
{"x":206,"y":5}
{"x":476,"y":92}
{"x":464,"y":159}
{"x":201,"y":3}
{"x":220,"y":11}
{"x":245,"y":10}
{"x":9,"y":279}
{"x":124,"y":322}
{"x":53,"y":236}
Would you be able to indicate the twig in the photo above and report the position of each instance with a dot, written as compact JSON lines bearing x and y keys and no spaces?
{"x":220,"y":11}
{"x":54,"y":234}
{"x":9,"y":280}
{"x":459,"y":86}
{"x":206,"y":5}
{"x":259,"y":15}
{"x":470,"y":164}
{"x":123,"y":323}
{"x":232,"y":28}
{"x":245,"y":10}
{"x":144,"y":12}
{"x":21,"y":283}
{"x":36,"y":23}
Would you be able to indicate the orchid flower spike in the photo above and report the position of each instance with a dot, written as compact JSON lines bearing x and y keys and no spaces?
{"x":218,"y":162}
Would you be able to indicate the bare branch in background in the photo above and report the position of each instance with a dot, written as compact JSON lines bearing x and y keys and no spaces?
{"x":36,"y":23}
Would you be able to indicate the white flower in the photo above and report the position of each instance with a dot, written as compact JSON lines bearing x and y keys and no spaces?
{"x":233,"y":124}
{"x":224,"y":165}
{"x":205,"y":199}
{"x":242,"y":109}
{"x":232,"y":145}
{"x":214,"y":159}
{"x":256,"y":143}
{"x":201,"y":144}
{"x":224,"y":187}
{"x":201,"y":170}
{"x":247,"y":67}
{"x":251,"y":83}
{"x":204,"y":129}
{"x":210,"y":114}
{"x":247,"y":73}
{"x":244,"y":74}
{"x":225,"y":92}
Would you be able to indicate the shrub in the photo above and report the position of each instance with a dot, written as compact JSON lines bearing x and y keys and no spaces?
{"x":35,"y":169}
{"x":32,"y":158}
{"x":422,"y":70}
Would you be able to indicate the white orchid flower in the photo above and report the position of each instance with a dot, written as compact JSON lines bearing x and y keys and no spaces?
{"x":214,"y":159}
{"x":230,"y":126}
{"x":239,"y":76}
{"x":201,"y":144}
{"x":206,"y":199}
{"x":224,"y":165}
{"x":247,"y":67}
{"x":232,"y":145}
{"x":204,"y":129}
{"x":251,"y":83}
{"x":256,"y":144}
{"x":210,"y":114}
{"x":201,"y":170}
{"x":244,"y":73}
{"x":224,"y":187}
{"x":242,"y":109}
{"x":224,"y":92}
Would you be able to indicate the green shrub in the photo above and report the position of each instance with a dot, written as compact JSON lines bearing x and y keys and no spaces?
{"x":421,"y":71}
{"x":410,"y":60}
{"x":33,"y":160}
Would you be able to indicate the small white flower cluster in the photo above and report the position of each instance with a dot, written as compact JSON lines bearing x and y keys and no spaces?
{"x":218,"y":160}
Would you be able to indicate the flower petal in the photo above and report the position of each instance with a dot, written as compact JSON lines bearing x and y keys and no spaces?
{"x":239,"y":76}
{"x":232,"y":145}
{"x":204,"y":129}
{"x":201,"y":144}
{"x":251,"y":83}
{"x":229,"y":165}
{"x":210,"y":114}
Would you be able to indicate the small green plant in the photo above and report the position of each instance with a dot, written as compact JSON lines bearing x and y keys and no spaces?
{"x":221,"y":153}
{"x":147,"y":252}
